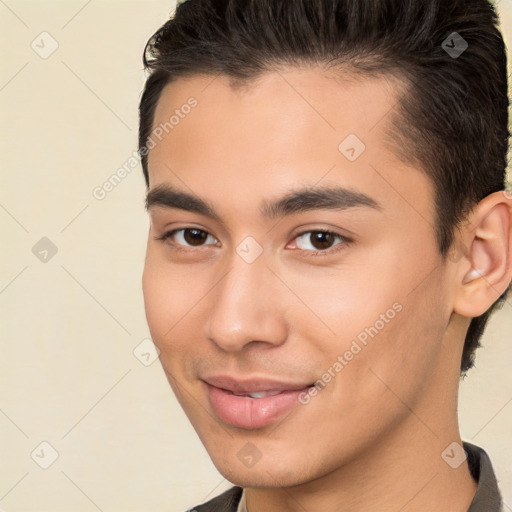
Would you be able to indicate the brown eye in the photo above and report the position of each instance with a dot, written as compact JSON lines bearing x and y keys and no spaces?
{"x":320,"y":241}
{"x":194,"y":236}
{"x":187,"y":237}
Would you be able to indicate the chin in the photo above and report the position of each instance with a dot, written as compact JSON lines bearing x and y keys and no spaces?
{"x":262,"y":474}
{"x":261,"y":478}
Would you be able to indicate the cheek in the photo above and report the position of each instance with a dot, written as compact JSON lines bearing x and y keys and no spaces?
{"x":380,"y":322}
{"x":166,"y":300}
{"x":156,"y":302}
{"x":401,"y":358}
{"x":175,"y":301}
{"x":335,"y":304}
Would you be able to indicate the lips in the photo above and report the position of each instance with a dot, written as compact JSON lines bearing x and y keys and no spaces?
{"x":251,"y":403}
{"x":253,"y":385}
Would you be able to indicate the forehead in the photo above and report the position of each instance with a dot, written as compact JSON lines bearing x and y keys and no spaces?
{"x":288,"y":105}
{"x":289,"y":127}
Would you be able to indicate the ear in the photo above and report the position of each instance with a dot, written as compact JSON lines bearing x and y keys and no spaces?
{"x":485,"y":271}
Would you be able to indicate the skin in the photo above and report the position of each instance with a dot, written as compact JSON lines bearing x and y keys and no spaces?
{"x":372,"y":438}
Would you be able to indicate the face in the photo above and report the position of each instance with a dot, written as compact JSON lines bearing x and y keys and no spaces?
{"x":305,"y":272}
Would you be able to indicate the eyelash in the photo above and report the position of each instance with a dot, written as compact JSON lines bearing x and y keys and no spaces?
{"x":345,"y":240}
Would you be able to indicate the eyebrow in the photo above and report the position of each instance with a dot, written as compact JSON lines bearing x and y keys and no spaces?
{"x":302,"y":200}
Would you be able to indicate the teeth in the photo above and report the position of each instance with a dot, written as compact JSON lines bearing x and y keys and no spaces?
{"x":260,"y":394}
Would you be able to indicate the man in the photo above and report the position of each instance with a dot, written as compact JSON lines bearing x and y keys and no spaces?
{"x":330,"y":232}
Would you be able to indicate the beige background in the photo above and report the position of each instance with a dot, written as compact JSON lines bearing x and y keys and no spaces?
{"x":68,"y":374}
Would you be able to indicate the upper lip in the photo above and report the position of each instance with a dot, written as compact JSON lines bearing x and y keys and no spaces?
{"x":252,"y":385}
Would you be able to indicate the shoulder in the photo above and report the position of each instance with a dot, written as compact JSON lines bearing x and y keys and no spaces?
{"x":488,"y":497}
{"x":226,"y":502}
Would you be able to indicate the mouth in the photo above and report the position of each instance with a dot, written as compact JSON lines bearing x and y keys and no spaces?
{"x":256,"y":394}
{"x":252,"y":403}
{"x":253,"y":385}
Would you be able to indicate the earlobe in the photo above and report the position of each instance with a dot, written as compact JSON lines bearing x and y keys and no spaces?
{"x":489,"y":258}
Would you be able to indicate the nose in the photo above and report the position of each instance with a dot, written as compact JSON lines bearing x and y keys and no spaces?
{"x":247,"y":307}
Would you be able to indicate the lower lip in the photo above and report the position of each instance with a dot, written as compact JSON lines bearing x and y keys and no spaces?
{"x":251,"y":413}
